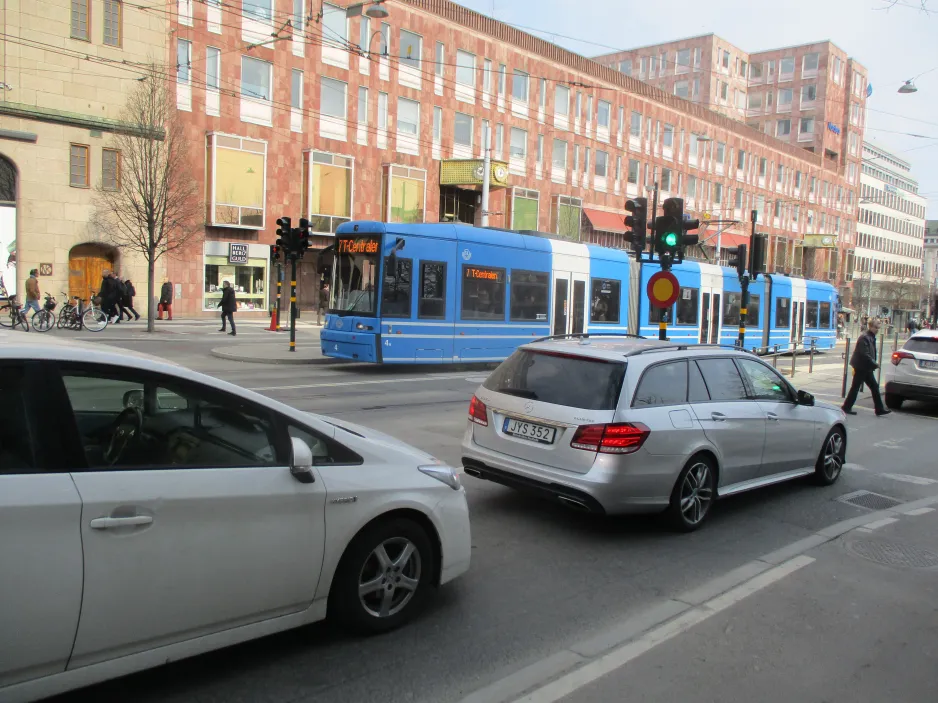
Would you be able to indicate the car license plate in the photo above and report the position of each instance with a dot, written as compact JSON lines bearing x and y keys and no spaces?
{"x":929,"y":365}
{"x":528,"y":430}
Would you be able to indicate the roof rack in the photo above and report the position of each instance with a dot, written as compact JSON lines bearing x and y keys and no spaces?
{"x":587,"y":335}
{"x":685,"y":347}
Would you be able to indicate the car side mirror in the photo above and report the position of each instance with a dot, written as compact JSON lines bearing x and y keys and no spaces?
{"x":301,"y":464}
{"x":805,"y":398}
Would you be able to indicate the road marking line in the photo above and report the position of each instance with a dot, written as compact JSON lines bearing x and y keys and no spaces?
{"x":919,"y":511}
{"x":617,"y":658}
{"x":343,"y":384}
{"x":905,"y":478}
{"x":870,"y":526}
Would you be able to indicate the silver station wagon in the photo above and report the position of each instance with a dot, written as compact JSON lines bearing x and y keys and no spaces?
{"x":628,"y":425}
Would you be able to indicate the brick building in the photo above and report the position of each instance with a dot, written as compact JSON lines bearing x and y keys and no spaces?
{"x":309,"y":113}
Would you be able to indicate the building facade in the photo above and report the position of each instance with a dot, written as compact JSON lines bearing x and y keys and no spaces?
{"x":304,"y":111}
{"x":930,"y":279}
{"x":68,"y":66}
{"x":890,"y":248}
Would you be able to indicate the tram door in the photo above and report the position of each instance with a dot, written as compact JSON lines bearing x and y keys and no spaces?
{"x":711,"y":313}
{"x":569,"y":312}
{"x":799,"y":296}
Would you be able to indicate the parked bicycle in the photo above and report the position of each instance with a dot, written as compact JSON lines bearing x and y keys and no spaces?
{"x":11,"y":316}
{"x":44,"y":320}
{"x":70,"y":315}
{"x":94,"y":319}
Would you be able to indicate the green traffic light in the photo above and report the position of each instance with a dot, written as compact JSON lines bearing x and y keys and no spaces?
{"x":670,"y":239}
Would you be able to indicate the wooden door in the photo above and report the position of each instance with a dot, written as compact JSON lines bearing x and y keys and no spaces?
{"x":85,"y":273}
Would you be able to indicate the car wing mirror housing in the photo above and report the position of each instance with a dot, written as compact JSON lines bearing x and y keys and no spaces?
{"x":301,"y":463}
{"x":805,"y":398}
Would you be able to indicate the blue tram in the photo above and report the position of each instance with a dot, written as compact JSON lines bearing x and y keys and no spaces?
{"x":452,"y":293}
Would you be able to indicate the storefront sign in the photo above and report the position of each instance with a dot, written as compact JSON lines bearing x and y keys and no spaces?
{"x":357,"y":245}
{"x":45,"y":269}
{"x":819,"y":241}
{"x":237,"y":253}
{"x":833,"y":128}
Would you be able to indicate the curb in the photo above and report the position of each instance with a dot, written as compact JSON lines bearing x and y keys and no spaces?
{"x":531,"y":678}
{"x":232,"y":355}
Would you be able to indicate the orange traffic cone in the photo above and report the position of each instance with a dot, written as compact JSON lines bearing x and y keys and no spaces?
{"x":274,"y":327}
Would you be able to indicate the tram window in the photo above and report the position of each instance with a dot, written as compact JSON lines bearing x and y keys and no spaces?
{"x":604,"y":301}
{"x":825,"y":316}
{"x":432,"y":302}
{"x":660,"y":314}
{"x":731,"y":309}
{"x":687,"y":306}
{"x":752,"y":311}
{"x":483,"y":293}
{"x":811,"y":314}
{"x":529,"y":296}
{"x":395,"y":298}
{"x":782,"y":312}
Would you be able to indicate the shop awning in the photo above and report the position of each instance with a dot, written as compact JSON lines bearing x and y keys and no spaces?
{"x":606,"y":221}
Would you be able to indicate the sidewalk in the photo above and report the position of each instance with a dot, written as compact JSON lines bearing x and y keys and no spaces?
{"x":851,"y":619}
{"x":274,"y":348}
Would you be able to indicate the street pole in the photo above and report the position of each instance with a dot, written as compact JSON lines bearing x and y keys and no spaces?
{"x":293,"y":302}
{"x":869,"y":292}
{"x":486,"y":166}
{"x":744,"y":286}
{"x":279,"y":291}
{"x":663,"y":322}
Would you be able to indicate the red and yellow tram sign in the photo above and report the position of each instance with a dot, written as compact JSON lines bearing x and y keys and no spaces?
{"x":663,"y":289}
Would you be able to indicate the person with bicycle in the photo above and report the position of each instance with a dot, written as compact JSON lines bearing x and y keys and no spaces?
{"x":32,"y":292}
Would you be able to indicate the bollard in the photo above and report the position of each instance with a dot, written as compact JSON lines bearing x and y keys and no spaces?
{"x":775,"y":358}
{"x":895,"y":342}
{"x":843,"y":387}
{"x":879,"y":371}
{"x":794,"y":355}
{"x":811,"y":357}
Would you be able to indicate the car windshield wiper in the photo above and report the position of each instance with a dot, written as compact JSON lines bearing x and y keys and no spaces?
{"x":518,"y":392}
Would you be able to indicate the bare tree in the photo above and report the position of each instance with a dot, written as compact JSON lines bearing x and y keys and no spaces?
{"x":902,"y":292}
{"x":154,"y":208}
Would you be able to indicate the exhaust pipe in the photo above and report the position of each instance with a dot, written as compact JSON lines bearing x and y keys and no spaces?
{"x":473,"y":472}
{"x":574,"y":503}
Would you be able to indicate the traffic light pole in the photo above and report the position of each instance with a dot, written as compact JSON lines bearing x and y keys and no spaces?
{"x":744,"y":285}
{"x":279,"y":292}
{"x":663,"y":322}
{"x":293,"y":302}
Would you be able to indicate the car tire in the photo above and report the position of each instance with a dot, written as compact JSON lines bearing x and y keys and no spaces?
{"x":830,"y":461}
{"x":693,"y":494}
{"x":399,"y":584}
{"x":893,"y":401}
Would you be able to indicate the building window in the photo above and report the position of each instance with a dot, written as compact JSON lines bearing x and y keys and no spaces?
{"x":328,"y":190}
{"x":410,"y":49}
{"x":542,"y":94}
{"x":363,"y":106}
{"x":212,"y":67}
{"x":683,"y":59}
{"x":559,"y":154}
{"x":334,"y":24}
{"x":755,"y":101}
{"x":263,"y":9}
{"x":786,"y":68}
{"x":724,"y":91}
{"x":721,"y":153}
{"x":296,"y":89}
{"x":603,"y":110}
{"x":518,"y":147}
{"x":669,"y":136}
{"x":332,"y":97}
{"x":809,"y":63}
{"x":763,"y":166}
{"x":540,"y":148}
{"x":519,"y":85}
{"x":465,"y":68}
{"x":110,"y":169}
{"x":382,"y":111}
{"x":405,"y":194}
{"x":112,"y":22}
{"x":524,"y":209}
{"x":79,"y":175}
{"x":635,"y":126}
{"x":633,"y":171}
{"x":502,"y":74}
{"x":717,"y":193}
{"x":80,"y":11}
{"x":626,"y":67}
{"x":462,"y":130}
{"x":784,"y":99}
{"x":499,"y":139}
{"x":562,"y":101}
{"x":487,"y":76}
{"x":437,"y":123}
{"x":738,"y":200}
{"x":602,"y":164}
{"x":565,"y":216}
{"x":440,"y":59}
{"x":255,"y":78}
{"x":783,"y":128}
{"x":682,"y":89}
{"x":808,"y":93}
{"x":807,"y":125}
{"x":364,"y":27}
{"x":183,"y":60}
{"x":408,"y":116}
{"x":665,"y":179}
{"x":237,"y":182}
{"x":248,"y":279}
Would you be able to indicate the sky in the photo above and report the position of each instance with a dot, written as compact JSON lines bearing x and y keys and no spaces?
{"x":894,"y":39}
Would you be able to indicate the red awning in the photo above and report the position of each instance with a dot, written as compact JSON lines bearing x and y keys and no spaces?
{"x":726,"y":239}
{"x":606,"y":221}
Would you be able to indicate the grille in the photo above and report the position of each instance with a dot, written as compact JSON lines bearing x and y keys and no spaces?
{"x":869,"y":501}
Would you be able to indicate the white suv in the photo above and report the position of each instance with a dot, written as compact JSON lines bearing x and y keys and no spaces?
{"x":913,"y":373}
{"x":618,"y":425}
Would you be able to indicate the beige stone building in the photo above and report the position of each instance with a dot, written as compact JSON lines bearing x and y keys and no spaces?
{"x":67,"y":67}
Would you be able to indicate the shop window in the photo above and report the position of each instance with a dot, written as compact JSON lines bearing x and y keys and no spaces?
{"x":395,"y":294}
{"x":604,"y":301}
{"x":687,"y":306}
{"x":404,"y":194}
{"x":432,"y":303}
{"x":565,"y":216}
{"x":237,"y":184}
{"x":483,"y":293}
{"x":327,"y":191}
{"x":244,"y":266}
{"x":524,"y":209}
{"x":529,"y":296}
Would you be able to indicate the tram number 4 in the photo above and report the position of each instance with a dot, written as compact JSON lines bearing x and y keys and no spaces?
{"x":387,"y":342}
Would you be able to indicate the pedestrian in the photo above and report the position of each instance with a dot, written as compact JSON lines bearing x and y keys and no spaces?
{"x":323,"y":303}
{"x":109,"y":295}
{"x":228,"y":305}
{"x":166,"y":300}
{"x":912,"y":326}
{"x":864,"y":364}
{"x":120,"y":291}
{"x":32,"y":292}
{"x":128,"y":299}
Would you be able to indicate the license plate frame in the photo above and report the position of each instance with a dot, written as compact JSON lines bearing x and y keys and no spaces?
{"x":928,"y":364}
{"x":528,"y":431}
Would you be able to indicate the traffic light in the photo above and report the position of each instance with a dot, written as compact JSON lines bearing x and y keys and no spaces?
{"x":674,"y":208}
{"x":284,"y":224}
{"x":303,"y":243}
{"x":275,"y":250}
{"x":668,"y":232}
{"x":737,"y":259}
{"x":757,"y":254}
{"x":638,"y":222}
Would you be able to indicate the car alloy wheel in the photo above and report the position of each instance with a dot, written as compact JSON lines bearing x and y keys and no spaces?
{"x":830,"y":462}
{"x":389,"y":577}
{"x":696,"y":493}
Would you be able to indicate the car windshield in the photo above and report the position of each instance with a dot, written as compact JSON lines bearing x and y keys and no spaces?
{"x":355,"y":275}
{"x":560,"y":379}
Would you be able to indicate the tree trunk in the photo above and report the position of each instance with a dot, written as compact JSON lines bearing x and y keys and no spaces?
{"x":151,"y":285}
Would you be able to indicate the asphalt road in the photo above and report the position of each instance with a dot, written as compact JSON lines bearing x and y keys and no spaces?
{"x":541,"y":578}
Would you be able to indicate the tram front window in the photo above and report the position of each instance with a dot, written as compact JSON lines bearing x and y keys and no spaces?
{"x":354,"y":286}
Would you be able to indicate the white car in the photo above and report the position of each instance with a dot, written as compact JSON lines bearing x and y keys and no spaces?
{"x":150,"y":513}
{"x":913,"y":371}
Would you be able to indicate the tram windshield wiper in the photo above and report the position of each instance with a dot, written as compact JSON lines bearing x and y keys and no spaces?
{"x":521,"y":393}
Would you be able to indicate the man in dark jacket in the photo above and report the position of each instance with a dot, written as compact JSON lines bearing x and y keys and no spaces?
{"x":109,"y":295}
{"x":864,"y":364}
{"x":166,"y":300}
{"x":228,"y":305}
{"x":127,"y":300}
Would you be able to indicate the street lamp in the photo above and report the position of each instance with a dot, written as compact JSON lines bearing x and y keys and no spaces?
{"x":376,"y":10}
{"x":908,"y":87}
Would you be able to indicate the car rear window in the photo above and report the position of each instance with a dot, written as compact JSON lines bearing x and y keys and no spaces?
{"x":560,"y":379}
{"x":929,"y":345}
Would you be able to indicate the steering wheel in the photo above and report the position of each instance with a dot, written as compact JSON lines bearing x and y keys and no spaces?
{"x":127,"y":428}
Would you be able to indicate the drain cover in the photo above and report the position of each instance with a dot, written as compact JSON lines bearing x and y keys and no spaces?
{"x":868,"y":500}
{"x":894,"y":553}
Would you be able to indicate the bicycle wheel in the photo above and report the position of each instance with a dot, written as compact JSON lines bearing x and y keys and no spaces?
{"x":43,"y":321}
{"x":22,"y":321}
{"x":94,"y":319}
{"x":6,"y":317}
{"x":64,"y":316}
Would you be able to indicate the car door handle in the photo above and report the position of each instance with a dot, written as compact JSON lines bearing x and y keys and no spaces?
{"x":717,"y":417}
{"x":771,"y":416}
{"x":109,"y":523}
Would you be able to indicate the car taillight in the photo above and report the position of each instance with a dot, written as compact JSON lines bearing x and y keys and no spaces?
{"x":898,"y":356}
{"x":615,"y":438}
{"x":477,"y":412}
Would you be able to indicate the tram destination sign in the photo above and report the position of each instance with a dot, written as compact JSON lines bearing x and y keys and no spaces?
{"x":357,"y":245}
{"x":478,"y":273}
